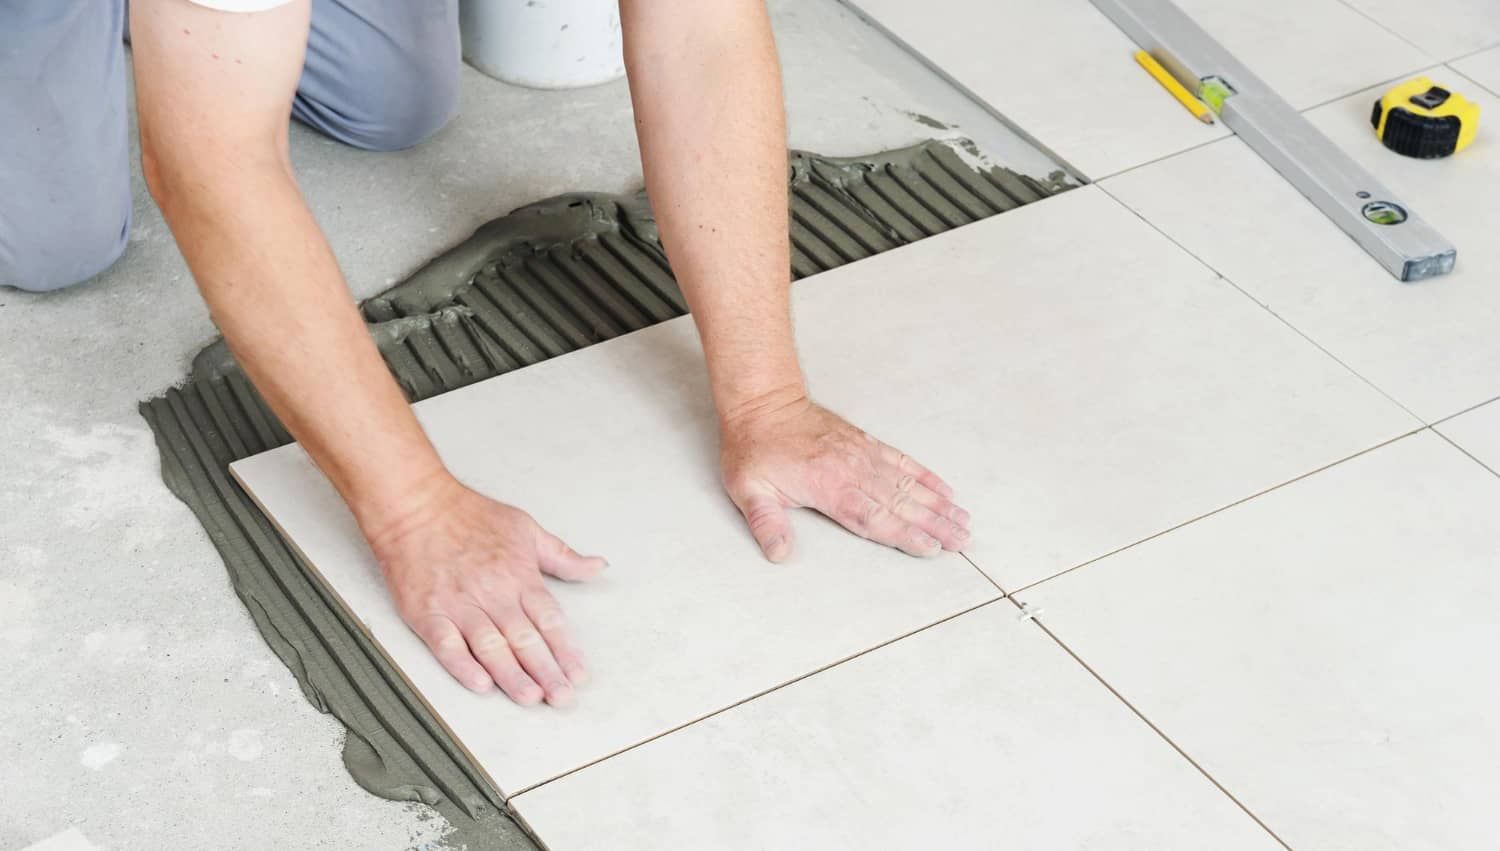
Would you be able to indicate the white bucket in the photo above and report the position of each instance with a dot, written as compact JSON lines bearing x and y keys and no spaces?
{"x":544,"y":44}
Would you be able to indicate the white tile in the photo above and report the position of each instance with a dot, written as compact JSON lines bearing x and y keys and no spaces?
{"x":1094,"y":387}
{"x":1478,"y":432}
{"x":1325,"y":651}
{"x":978,"y":733}
{"x":1064,"y":73}
{"x":1482,"y":68}
{"x":1431,"y":345}
{"x":1443,"y":28}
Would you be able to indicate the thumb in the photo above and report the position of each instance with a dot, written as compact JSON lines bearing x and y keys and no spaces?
{"x":767,"y":518}
{"x":559,"y":560}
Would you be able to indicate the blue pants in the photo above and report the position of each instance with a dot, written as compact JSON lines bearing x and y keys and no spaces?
{"x":379,"y":75}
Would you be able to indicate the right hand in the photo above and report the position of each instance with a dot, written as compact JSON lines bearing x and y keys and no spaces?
{"x":466,"y":575}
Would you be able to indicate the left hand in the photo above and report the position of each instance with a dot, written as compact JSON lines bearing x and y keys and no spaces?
{"x":797,"y":454}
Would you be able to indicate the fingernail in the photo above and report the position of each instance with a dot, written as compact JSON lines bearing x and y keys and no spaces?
{"x":962,"y":534}
{"x":560,"y":695}
{"x":776,"y":549}
{"x":961,"y":516}
{"x":578,"y":674}
{"x":480,"y":684}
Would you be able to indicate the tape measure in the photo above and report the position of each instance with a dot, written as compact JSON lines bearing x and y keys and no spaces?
{"x":1421,"y":119}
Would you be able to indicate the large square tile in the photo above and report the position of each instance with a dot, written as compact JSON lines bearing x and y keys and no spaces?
{"x":1325,"y":651}
{"x":1063,"y":72}
{"x":977,"y":733}
{"x":1082,"y":382}
{"x":1444,"y":28}
{"x":1478,"y":432}
{"x":1431,"y":345}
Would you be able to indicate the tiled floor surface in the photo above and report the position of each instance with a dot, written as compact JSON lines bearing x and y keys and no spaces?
{"x":1232,"y":474}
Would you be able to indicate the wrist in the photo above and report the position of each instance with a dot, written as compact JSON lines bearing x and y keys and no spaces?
{"x":398,"y":503}
{"x":771,"y":404}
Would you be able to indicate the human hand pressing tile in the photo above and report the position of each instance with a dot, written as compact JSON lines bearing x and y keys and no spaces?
{"x":798,"y":454}
{"x":465,"y":572}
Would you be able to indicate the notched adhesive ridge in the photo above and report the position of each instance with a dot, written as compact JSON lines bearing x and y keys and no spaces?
{"x":549,"y":278}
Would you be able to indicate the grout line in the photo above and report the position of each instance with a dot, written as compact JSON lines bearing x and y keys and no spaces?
{"x":756,"y":696}
{"x":1372,"y":19}
{"x":1224,"y":507}
{"x":1471,"y":408}
{"x":1155,"y":729}
{"x":1472,"y":53}
{"x":1481,"y":86}
{"x":987,"y":577}
{"x":1378,"y":84}
{"x":1264,"y":306}
{"x":1193,"y":147}
{"x":1472,"y":456}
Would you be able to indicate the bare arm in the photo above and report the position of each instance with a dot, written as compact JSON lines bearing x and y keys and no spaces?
{"x":706,"y":85}
{"x":214,"y":93}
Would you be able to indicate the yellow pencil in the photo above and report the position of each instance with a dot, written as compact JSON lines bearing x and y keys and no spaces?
{"x":1170,"y":83}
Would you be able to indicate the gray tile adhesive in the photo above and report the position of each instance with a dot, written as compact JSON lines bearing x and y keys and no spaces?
{"x":549,"y":278}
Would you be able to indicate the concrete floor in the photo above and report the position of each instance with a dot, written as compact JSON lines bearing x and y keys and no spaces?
{"x":140,"y":704}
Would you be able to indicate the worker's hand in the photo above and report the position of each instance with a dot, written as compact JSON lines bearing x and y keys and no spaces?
{"x":793,"y":453}
{"x":466,"y":575}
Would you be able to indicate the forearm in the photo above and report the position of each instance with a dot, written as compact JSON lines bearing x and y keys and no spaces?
{"x":706,"y":86}
{"x":276,"y":293}
{"x":214,"y":147}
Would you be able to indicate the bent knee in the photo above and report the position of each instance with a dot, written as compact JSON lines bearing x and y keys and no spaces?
{"x":400,"y":96}
{"x":42,"y":257}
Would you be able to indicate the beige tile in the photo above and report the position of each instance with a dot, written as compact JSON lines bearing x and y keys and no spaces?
{"x":1478,"y":432}
{"x":1325,"y":651}
{"x":1443,"y":28}
{"x":1431,"y":345}
{"x":1063,"y":72}
{"x":1484,"y":69}
{"x":1082,"y":382}
{"x":979,"y":733}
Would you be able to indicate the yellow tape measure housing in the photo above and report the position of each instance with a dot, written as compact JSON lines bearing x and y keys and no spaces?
{"x":1424,"y":120}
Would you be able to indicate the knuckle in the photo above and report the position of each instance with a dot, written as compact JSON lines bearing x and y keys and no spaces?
{"x":488,"y":641}
{"x":904,"y":484}
{"x":525,"y":638}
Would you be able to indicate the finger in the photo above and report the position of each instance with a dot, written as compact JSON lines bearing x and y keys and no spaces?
{"x":865,"y":517}
{"x":558,"y":560}
{"x":542,"y":608}
{"x":905,"y":464}
{"x":448,"y":646}
{"x":493,"y":652}
{"x":767,"y":520}
{"x":922,"y":508}
{"x":533,"y":653}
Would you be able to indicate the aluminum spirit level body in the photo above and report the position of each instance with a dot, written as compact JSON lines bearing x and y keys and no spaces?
{"x":1359,"y":204}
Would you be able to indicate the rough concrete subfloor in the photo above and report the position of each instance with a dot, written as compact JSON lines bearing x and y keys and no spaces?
{"x":139,"y":703}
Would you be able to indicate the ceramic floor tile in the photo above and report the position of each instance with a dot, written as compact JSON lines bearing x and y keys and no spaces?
{"x":1029,"y":60}
{"x":1081,"y":381}
{"x":1431,"y":345}
{"x":1482,"y":68}
{"x":1325,"y":651}
{"x":1443,"y":28}
{"x":1478,"y":432}
{"x":979,"y":733}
